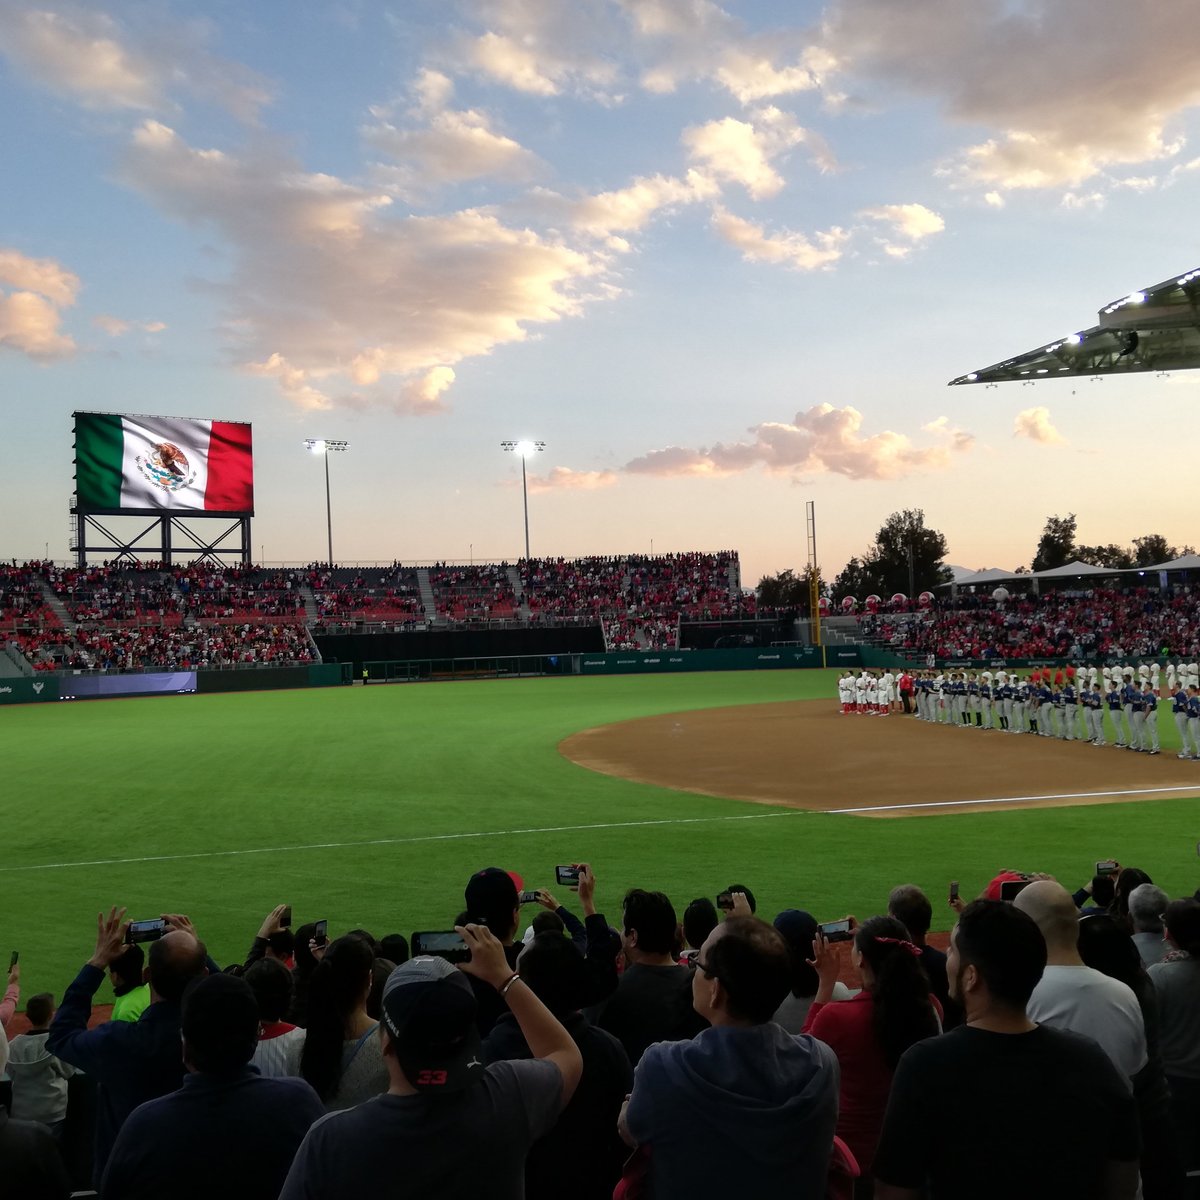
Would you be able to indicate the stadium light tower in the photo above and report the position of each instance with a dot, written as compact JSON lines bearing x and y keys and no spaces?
{"x":324,"y":447}
{"x":524,"y":449}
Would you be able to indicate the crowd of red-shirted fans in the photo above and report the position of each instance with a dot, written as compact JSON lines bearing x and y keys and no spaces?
{"x":112,"y":610}
{"x":1109,"y":623}
{"x":533,"y":1048}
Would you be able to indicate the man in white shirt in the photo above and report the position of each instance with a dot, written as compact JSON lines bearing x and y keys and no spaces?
{"x":1077,"y":997}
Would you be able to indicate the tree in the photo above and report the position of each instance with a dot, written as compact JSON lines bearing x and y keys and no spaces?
{"x":1154,"y":548}
{"x":788,"y":590}
{"x":906,"y":556}
{"x":1113,"y":556}
{"x":1057,"y":544}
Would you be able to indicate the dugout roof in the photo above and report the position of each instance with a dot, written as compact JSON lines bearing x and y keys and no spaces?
{"x":1155,"y":329}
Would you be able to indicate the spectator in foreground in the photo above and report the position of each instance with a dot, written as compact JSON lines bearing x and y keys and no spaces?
{"x":870,"y":1032}
{"x":653,"y":1001}
{"x":255,"y":1125}
{"x":131,"y":994}
{"x":1147,"y":903}
{"x":799,"y":929}
{"x":1015,"y":1082}
{"x":30,"y":1165}
{"x":342,"y":1058}
{"x":583,"y":1146}
{"x":1072,"y":995}
{"x":1103,"y":945}
{"x":279,"y":1041}
{"x":39,"y":1079}
{"x":12,"y":996}
{"x":699,"y":920}
{"x":454,"y":1128}
{"x":744,"y":1108}
{"x":1177,"y":985}
{"x":910,"y":906}
{"x":493,"y":900}
{"x":132,"y":1063}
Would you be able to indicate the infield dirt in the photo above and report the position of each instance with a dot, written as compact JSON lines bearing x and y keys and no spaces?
{"x":806,"y":754}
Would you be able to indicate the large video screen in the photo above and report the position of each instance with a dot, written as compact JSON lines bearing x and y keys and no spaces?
{"x":138,"y":465}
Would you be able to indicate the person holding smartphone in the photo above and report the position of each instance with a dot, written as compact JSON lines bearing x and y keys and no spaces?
{"x":869,"y":1033}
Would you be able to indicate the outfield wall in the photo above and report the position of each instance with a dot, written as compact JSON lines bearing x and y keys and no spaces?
{"x":654,"y":662}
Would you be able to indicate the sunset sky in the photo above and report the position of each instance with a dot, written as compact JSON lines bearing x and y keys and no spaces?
{"x":721,"y":258}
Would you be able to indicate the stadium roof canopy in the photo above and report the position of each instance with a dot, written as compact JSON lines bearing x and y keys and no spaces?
{"x":1189,"y":562}
{"x":1155,"y":329}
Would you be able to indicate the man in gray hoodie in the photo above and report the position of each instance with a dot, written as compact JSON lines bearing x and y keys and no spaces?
{"x":744,"y":1108}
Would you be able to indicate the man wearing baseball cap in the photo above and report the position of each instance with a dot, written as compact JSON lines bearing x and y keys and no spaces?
{"x":446,"y":1120}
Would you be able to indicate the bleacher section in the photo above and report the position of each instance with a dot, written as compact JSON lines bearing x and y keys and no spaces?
{"x":1113,"y":623}
{"x":125,"y":616}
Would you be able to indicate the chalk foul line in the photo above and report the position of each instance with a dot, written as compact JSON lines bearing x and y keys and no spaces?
{"x":775,"y":813}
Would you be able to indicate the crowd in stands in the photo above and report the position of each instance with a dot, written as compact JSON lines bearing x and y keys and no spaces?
{"x":1125,"y":623}
{"x":473,"y":591}
{"x":1051,"y":1050}
{"x":635,"y":586}
{"x":175,"y":647}
{"x":22,"y":600}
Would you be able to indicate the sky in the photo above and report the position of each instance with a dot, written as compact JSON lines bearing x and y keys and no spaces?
{"x":722,"y":258}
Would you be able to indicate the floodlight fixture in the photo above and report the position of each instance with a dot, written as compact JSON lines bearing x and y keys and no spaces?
{"x":324,"y":447}
{"x":524,"y":448}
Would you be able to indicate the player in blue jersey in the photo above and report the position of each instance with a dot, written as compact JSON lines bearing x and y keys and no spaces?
{"x":1150,"y":708}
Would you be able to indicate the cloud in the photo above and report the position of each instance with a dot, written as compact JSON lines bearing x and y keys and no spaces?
{"x":741,"y":151}
{"x":820,"y":439}
{"x":453,"y":146}
{"x":87,"y":55}
{"x":912,"y":221}
{"x":41,"y":275}
{"x":541,"y":49}
{"x":1035,"y":424}
{"x":424,"y":395}
{"x":629,"y":209}
{"x":563,"y":478}
{"x":1077,"y":201}
{"x":695,"y":40}
{"x":118,"y":326}
{"x":960,"y":439}
{"x":30,"y":315}
{"x":1057,"y":118}
{"x":786,"y":249}
{"x":330,"y":286}
{"x":994,"y":199}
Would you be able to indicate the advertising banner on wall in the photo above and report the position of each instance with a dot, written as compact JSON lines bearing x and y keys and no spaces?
{"x":137,"y":465}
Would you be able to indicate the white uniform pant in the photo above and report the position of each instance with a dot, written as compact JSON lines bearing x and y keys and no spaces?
{"x":1194,"y":732}
{"x":1181,"y":724}
{"x":1018,"y":715}
{"x":1097,"y":715}
{"x":1150,"y":734}
{"x":1137,"y":737}
{"x":1127,"y":740}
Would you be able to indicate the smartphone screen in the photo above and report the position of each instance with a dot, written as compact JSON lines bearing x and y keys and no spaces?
{"x":12,"y":962}
{"x":1010,"y":889}
{"x":527,"y":898}
{"x":321,"y":933}
{"x":567,"y":876}
{"x":447,"y":944}
{"x":145,"y":931}
{"x":954,"y":889}
{"x":725,"y":901}
{"x":836,"y":931}
{"x":1107,"y":867}
{"x":285,"y":917}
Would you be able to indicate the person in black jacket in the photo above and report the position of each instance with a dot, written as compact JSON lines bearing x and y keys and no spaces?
{"x":135,"y":1062}
{"x":583,"y":1153}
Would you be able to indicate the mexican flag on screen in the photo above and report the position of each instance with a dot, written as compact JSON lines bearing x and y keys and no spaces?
{"x":163,"y":462}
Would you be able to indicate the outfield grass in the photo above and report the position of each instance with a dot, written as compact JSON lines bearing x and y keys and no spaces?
{"x":292,"y":777}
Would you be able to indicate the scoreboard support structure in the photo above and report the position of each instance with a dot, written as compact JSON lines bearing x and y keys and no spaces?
{"x":168,"y":538}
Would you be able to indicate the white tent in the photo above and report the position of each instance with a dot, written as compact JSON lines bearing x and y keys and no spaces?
{"x":1189,"y":562}
{"x":1071,"y":570}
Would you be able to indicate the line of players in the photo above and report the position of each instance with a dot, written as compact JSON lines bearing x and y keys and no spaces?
{"x":1044,"y":703}
{"x":1041,"y":705}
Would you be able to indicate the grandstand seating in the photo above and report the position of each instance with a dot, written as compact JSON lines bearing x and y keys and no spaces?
{"x":1112,"y":623}
{"x":129,"y":616}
